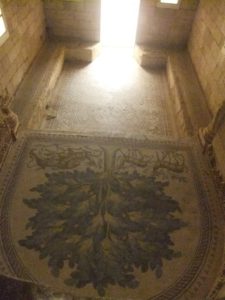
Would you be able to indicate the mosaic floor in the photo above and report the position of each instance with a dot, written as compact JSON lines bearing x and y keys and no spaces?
{"x":112,"y":217}
{"x":125,"y":213}
{"x":113,"y":94}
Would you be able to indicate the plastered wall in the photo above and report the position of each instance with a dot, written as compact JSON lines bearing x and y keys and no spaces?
{"x":25,"y":22}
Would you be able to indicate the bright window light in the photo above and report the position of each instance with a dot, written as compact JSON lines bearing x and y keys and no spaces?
{"x":2,"y":24}
{"x":169,"y":1}
{"x":119,"y":22}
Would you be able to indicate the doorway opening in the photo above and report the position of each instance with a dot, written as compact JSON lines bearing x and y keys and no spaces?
{"x":119,"y":22}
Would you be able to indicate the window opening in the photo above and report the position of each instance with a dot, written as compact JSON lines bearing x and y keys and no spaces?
{"x":119,"y":22}
{"x":169,"y":1}
{"x":2,"y":24}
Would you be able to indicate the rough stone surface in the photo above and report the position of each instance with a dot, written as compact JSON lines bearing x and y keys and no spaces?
{"x":86,"y":52}
{"x":74,"y":19}
{"x":33,"y":97}
{"x":207,"y":49}
{"x":165,"y":27}
{"x":150,"y":56}
{"x":187,"y":96}
{"x":25,"y":22}
{"x":157,"y":25}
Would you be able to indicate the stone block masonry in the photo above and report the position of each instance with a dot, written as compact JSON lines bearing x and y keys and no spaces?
{"x":25,"y":23}
{"x":207,"y":50}
{"x":206,"y":47}
{"x":165,"y":27}
{"x":78,"y":19}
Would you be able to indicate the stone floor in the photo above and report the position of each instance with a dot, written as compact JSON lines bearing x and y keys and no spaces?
{"x":12,"y":289}
{"x":113,"y":94}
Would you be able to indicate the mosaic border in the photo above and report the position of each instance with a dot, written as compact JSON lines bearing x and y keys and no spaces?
{"x":182,"y":284}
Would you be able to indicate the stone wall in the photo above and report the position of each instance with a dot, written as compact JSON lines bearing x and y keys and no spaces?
{"x":77,"y":19}
{"x":207,"y":50}
{"x":80,"y":19}
{"x":25,"y":22}
{"x":158,"y":26}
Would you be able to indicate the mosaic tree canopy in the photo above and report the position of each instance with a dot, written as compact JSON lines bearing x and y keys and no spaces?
{"x":105,"y":225}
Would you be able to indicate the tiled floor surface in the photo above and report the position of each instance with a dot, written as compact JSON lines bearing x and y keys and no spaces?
{"x":113,"y":94}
